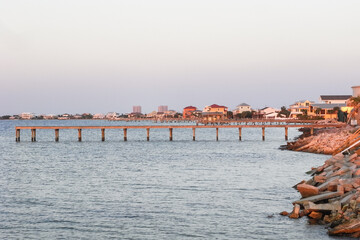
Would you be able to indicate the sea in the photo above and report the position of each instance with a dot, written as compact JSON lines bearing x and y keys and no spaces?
{"x":157,"y":189}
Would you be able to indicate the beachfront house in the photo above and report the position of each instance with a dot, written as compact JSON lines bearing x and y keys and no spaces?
{"x":214,"y":113}
{"x":111,"y":115}
{"x":334,"y":99}
{"x":26,"y":115}
{"x":98,"y":116}
{"x":188,"y":112}
{"x":326,"y":111}
{"x":269,"y":112}
{"x":243,"y":107}
{"x":299,"y":108}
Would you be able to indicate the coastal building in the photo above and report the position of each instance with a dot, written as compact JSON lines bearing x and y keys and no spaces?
{"x":356,"y":91}
{"x":111,"y":115}
{"x":214,"y":113}
{"x":188,"y":112}
{"x":26,"y":115}
{"x":98,"y":116}
{"x":268,"y":112}
{"x":152,"y":114}
{"x":334,"y":99}
{"x":136,"y":109}
{"x":326,"y":111}
{"x":170,"y":113}
{"x":299,"y":108}
{"x":64,"y":116}
{"x":162,"y":108}
{"x":243,"y":107}
{"x":353,"y":103}
{"x":49,"y":116}
{"x":212,"y":116}
{"x":77,"y":116}
{"x":216,"y":109}
{"x":135,"y":115}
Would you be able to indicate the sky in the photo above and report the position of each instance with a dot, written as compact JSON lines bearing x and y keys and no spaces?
{"x":96,"y":56}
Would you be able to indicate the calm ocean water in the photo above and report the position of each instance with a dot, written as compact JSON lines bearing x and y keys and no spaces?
{"x":150,"y":190}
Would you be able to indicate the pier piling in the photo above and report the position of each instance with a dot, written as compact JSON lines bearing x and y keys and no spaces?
{"x":217,"y":134}
{"x":148,"y":134}
{"x":171,"y":134}
{"x":103,"y":134}
{"x":263,"y":134}
{"x":193,"y":134}
{"x":312,"y":131}
{"x":239,"y":134}
{"x":33,"y":135}
{"x":17,"y":138}
{"x":286,"y":133}
{"x":125,"y":134}
{"x":79,"y":134}
{"x":56,"y":135}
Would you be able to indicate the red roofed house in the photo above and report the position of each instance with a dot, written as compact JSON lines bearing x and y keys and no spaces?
{"x":188,"y":111}
{"x":214,"y":112}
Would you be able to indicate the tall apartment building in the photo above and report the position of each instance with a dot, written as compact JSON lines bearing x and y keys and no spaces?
{"x":162,"y":108}
{"x":136,"y":109}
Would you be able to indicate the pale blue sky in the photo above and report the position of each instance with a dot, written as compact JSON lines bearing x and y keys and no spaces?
{"x":97,"y":56}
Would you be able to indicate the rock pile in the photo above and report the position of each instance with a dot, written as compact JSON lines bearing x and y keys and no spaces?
{"x":332,"y":196}
{"x":323,"y":141}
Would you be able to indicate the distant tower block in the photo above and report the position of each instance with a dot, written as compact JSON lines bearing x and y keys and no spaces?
{"x":136,"y":109}
{"x":356,"y":91}
{"x":163,"y":108}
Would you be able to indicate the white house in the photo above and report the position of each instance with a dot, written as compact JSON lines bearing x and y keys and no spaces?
{"x":98,"y":116}
{"x":334,"y":99}
{"x":269,"y":112}
{"x":111,"y":115}
{"x":26,"y":115}
{"x":243,"y":107}
{"x":299,"y":107}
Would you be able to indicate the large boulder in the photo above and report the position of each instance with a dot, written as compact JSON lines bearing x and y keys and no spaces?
{"x":352,"y":226}
{"x":307,"y":190}
{"x":296,"y":212}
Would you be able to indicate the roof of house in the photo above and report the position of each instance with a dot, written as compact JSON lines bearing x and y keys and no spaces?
{"x":243,"y":105}
{"x":190,"y":107}
{"x":267,"y":108}
{"x":328,"y":106}
{"x":301,"y":101}
{"x":217,"y":106}
{"x":335,"y":97}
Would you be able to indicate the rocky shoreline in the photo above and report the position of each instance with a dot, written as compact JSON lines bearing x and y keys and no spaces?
{"x":323,"y":141}
{"x":332,"y":196}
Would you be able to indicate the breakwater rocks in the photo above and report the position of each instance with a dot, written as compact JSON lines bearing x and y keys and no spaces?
{"x":324,"y":141}
{"x":332,"y":196}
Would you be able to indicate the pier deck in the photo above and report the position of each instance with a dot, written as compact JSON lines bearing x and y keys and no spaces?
{"x":171,"y":127}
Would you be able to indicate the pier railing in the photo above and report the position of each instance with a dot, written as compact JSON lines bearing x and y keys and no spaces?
{"x":171,"y":127}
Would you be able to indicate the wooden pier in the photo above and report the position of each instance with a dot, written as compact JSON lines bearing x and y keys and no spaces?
{"x":171,"y":127}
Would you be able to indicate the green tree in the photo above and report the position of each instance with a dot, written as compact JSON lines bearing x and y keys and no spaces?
{"x":246,"y":114}
{"x":318,"y":110}
{"x":304,"y":111}
{"x":284,"y":111}
{"x":6,"y":117}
